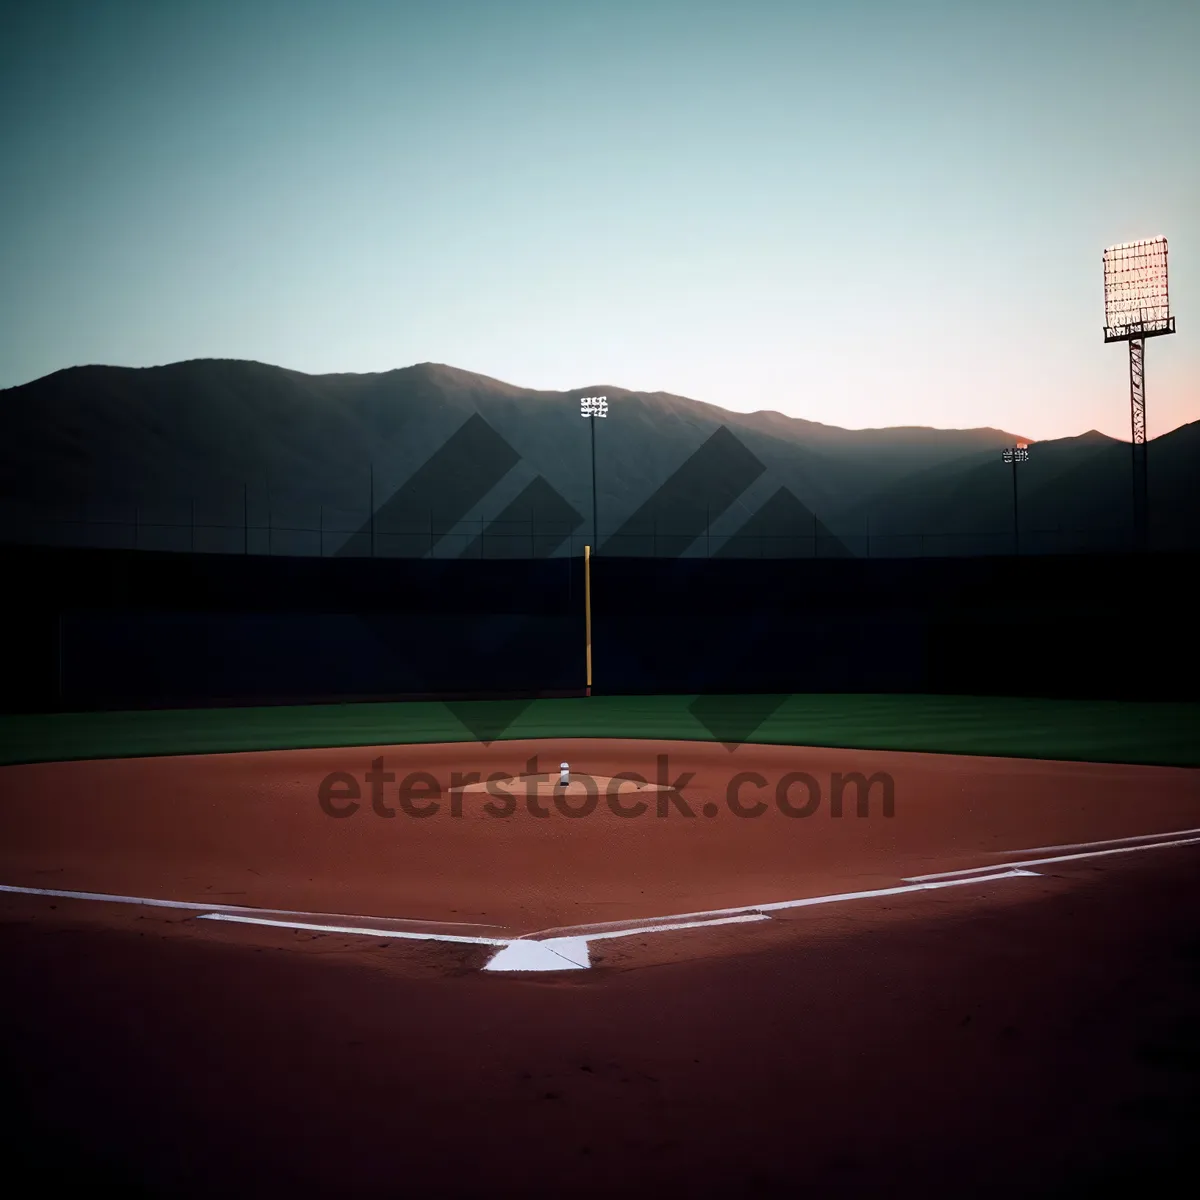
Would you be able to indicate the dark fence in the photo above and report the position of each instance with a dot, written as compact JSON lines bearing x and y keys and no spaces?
{"x":95,"y":629}
{"x":498,"y":538}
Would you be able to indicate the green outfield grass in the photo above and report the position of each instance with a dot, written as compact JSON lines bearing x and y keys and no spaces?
{"x":1167,"y":734}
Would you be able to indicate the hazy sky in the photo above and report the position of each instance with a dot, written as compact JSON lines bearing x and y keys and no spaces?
{"x":864,"y":213}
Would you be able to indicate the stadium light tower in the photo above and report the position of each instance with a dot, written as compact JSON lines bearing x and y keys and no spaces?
{"x":1137,"y":306}
{"x":1017,"y":454}
{"x":593,"y":407}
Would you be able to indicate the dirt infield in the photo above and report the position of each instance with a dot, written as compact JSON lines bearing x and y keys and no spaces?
{"x":250,"y":829}
{"x":1034,"y":1034}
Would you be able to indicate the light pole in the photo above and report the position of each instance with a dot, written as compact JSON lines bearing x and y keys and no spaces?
{"x":1018,"y":454}
{"x":593,"y":407}
{"x":1137,"y":305}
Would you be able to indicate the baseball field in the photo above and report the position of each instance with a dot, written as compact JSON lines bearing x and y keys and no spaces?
{"x":827,"y":945}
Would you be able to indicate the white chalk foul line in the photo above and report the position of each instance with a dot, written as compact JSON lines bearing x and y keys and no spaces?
{"x":1038,"y":862}
{"x":563,"y":953}
{"x":728,"y":915}
{"x":658,"y":927}
{"x":407,"y":934}
{"x":242,"y":909}
{"x":1122,"y":841}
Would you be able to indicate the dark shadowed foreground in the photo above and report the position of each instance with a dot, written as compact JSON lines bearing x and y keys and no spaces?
{"x":1040,"y":1043}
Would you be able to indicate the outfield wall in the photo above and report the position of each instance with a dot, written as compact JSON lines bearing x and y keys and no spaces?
{"x":94,"y":629}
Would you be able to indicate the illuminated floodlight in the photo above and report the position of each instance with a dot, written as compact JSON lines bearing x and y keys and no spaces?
{"x":1137,"y":306}
{"x":1016,"y":454}
{"x":593,"y":406}
{"x":1136,"y":299}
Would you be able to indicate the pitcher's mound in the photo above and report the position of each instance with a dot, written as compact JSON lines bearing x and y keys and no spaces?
{"x":580,"y":785}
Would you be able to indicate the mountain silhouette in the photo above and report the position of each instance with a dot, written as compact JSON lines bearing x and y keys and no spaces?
{"x":232,"y":456}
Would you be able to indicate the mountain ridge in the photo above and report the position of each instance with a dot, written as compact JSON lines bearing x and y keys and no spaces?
{"x":445,"y":372}
{"x":431,"y":442}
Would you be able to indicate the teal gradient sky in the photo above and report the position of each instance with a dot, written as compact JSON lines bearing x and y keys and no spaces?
{"x":864,"y":213}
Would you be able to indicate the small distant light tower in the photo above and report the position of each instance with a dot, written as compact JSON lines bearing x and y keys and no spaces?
{"x":1017,"y":454}
{"x":593,"y":407}
{"x":1137,"y":306}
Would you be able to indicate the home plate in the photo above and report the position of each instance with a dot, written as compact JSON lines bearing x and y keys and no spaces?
{"x":553,"y":954}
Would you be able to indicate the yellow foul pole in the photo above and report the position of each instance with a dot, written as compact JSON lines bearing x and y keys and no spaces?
{"x":587,"y":610}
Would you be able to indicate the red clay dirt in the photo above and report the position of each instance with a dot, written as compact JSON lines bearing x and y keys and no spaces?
{"x":248,"y":829}
{"x":1035,"y":1036}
